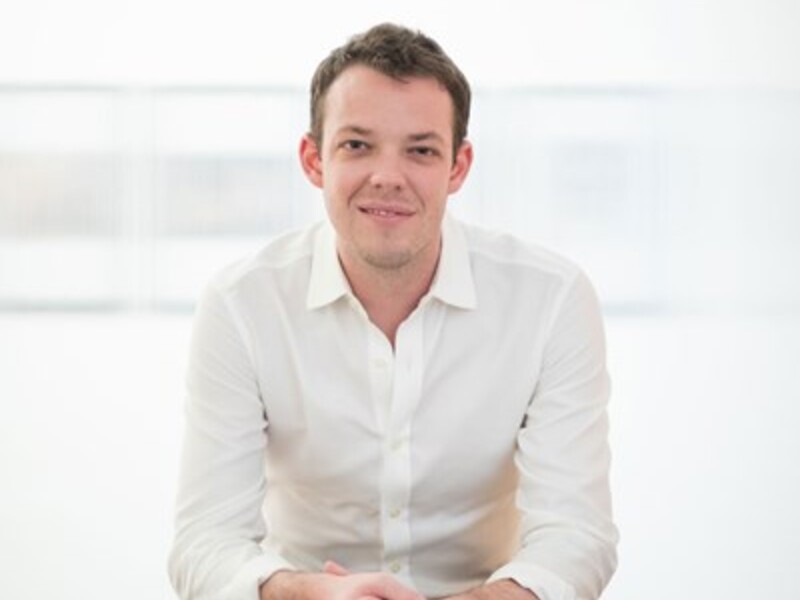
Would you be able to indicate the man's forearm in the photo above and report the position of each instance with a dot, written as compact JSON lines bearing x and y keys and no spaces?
{"x":505,"y":589}
{"x":286,"y":585}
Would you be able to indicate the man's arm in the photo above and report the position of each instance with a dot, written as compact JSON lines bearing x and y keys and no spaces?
{"x":505,"y":589}
{"x":568,"y":539}
{"x":218,"y":524}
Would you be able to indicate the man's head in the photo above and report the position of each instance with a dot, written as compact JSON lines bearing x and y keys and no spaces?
{"x":389,"y":149}
{"x":398,"y":53}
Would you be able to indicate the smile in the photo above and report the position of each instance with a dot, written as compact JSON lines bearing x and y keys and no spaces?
{"x":386,"y":213}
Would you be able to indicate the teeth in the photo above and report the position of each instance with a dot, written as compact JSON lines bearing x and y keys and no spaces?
{"x":381,"y":213}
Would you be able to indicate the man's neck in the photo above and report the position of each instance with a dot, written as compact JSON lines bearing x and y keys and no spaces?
{"x":390,"y":295}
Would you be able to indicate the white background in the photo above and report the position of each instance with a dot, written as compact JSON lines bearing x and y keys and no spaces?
{"x":686,"y":42}
{"x":705,"y":405}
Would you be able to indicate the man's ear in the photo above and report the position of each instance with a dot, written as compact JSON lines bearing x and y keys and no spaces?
{"x":460,"y":168}
{"x":311,"y":160}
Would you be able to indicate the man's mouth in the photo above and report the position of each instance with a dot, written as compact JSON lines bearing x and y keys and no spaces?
{"x":385,"y":213}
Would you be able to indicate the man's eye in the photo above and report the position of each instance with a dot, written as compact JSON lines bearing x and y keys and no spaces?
{"x":354,"y":145}
{"x":423,"y":151}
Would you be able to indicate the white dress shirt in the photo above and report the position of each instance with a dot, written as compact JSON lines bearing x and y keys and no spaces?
{"x":474,"y":450}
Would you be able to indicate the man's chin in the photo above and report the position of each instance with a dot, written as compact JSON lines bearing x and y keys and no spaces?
{"x":388,"y":261}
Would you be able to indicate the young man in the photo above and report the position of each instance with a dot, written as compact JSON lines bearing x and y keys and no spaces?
{"x":418,"y":406}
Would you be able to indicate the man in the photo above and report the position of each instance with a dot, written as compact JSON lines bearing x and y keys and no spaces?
{"x":418,"y":406}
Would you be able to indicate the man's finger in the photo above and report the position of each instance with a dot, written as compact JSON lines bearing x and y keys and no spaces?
{"x":333,"y":568}
{"x":394,"y":590}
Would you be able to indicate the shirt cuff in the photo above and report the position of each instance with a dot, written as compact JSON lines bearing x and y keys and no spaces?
{"x":247,"y":581}
{"x":545,"y":584}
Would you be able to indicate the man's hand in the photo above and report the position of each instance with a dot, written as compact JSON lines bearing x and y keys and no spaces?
{"x":505,"y":589}
{"x":335,"y":583}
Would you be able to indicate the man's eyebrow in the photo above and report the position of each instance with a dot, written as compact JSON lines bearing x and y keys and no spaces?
{"x":356,"y":129}
{"x":425,"y":136}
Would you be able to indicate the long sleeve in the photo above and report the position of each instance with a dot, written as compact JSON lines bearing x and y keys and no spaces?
{"x":568,"y":539}
{"x":216,"y":553}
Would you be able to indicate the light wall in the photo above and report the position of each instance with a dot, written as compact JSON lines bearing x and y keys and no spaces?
{"x":639,"y":42}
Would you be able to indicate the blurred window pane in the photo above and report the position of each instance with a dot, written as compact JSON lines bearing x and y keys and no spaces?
{"x":59,"y":213}
{"x":133,"y":198}
{"x":228,"y":195}
{"x":226,"y":179}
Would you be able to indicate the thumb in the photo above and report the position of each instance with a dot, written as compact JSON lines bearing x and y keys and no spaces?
{"x":333,"y":568}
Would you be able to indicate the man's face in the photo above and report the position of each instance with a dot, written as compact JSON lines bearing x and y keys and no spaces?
{"x":386,"y":167}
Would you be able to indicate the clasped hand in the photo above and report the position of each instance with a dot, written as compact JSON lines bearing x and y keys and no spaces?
{"x":337,"y":583}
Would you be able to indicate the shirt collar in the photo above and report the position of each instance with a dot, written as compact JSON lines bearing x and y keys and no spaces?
{"x":328,"y":282}
{"x":453,"y":283}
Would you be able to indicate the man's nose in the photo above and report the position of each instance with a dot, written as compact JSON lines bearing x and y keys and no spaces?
{"x":387,"y":174}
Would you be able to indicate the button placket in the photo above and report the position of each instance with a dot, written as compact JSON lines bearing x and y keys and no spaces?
{"x":396,"y":481}
{"x":381,"y":373}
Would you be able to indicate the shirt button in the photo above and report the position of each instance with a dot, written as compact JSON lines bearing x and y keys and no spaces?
{"x":397,"y":445}
{"x":380,"y":363}
{"x":395,"y":512}
{"x":395,"y":567}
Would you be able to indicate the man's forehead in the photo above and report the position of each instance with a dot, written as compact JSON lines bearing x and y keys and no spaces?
{"x":364,"y":100}
{"x":358,"y":80}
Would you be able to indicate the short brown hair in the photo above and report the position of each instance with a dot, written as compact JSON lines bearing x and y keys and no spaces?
{"x":397,"y":52}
